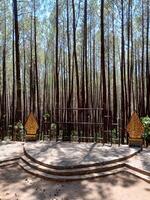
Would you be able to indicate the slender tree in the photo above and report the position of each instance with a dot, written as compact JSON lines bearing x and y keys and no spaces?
{"x":147,"y":62}
{"x":36,"y":66}
{"x":122,"y":66}
{"x":17,"y":55}
{"x":4,"y":98}
{"x":114,"y":72}
{"x":103,"y":74}
{"x":57,"y":69}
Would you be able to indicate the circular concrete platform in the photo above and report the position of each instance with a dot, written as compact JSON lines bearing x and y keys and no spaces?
{"x":73,"y":155}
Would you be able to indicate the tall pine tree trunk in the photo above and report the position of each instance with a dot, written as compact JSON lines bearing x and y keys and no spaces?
{"x":17,"y":54}
{"x":57,"y":71}
{"x":103,"y":70}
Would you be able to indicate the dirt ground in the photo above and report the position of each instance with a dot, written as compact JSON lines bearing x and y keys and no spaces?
{"x":16,"y":184}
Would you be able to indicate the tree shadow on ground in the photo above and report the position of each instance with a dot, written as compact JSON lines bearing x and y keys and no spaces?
{"x":21,"y":185}
{"x":141,"y":161}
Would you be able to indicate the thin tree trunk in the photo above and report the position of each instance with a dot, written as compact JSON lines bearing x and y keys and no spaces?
{"x":147,"y":63}
{"x":14,"y":85}
{"x":114,"y":74}
{"x":36,"y":67}
{"x":103,"y":70}
{"x":75,"y":53}
{"x":57,"y":70}
{"x":18,"y":78}
{"x":142,"y":110}
{"x":122,"y":74}
{"x":24,"y":79}
{"x":85,"y":52}
{"x":3,"y":107}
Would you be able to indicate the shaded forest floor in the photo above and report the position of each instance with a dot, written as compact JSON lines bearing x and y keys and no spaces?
{"x":16,"y":184}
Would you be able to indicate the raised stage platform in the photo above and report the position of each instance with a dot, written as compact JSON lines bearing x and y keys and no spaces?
{"x":73,"y":155}
{"x":75,"y":161}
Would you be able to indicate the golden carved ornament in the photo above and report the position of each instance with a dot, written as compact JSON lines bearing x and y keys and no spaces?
{"x":135,"y":128}
{"x":31,"y":125}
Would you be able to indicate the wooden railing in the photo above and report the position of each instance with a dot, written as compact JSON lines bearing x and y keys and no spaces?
{"x":83,"y":125}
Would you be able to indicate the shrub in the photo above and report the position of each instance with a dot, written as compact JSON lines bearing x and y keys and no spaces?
{"x":146,"y":123}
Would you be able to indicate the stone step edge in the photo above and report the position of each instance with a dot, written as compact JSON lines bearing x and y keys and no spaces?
{"x":83,"y":165}
{"x":66,"y":178}
{"x":144,"y":172}
{"x":9,"y":160}
{"x":82,"y":177}
{"x":72,"y":172}
{"x":138,"y":174}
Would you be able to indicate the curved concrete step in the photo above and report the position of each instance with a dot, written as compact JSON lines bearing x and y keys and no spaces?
{"x":71,"y":172}
{"x":80,"y":165}
{"x":66,"y":178}
{"x":10,"y":161}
